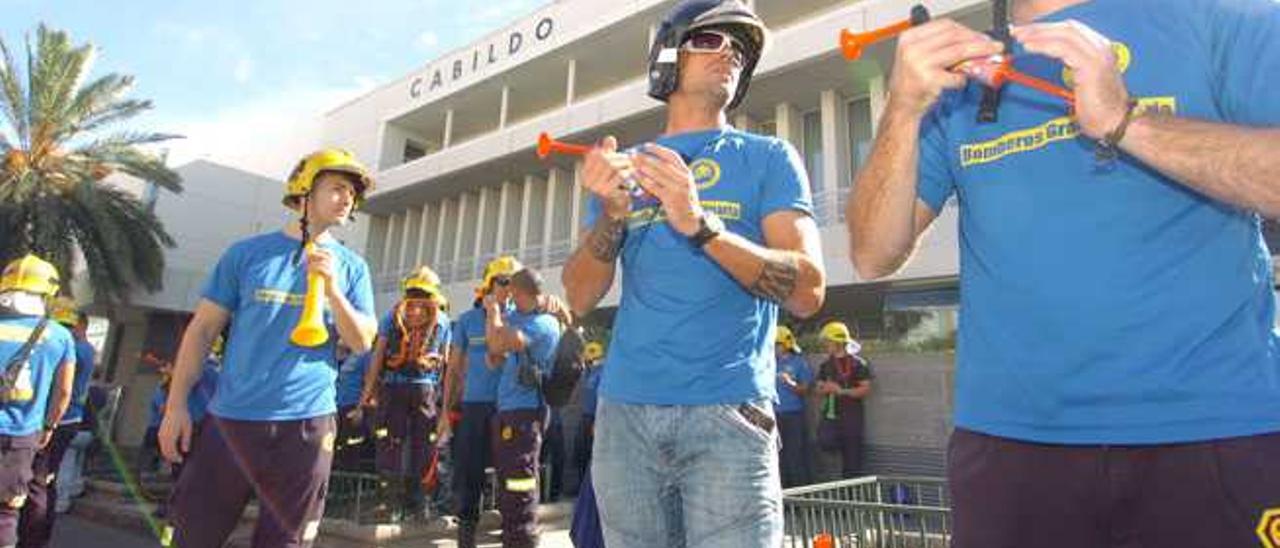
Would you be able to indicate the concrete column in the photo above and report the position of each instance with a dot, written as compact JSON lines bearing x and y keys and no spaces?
{"x":526,"y":195}
{"x":477,"y":248}
{"x":435,"y":255}
{"x":549,"y":214}
{"x":877,"y":96}
{"x":790,"y":123}
{"x":387,"y":265}
{"x":502,"y":216}
{"x":404,"y":240}
{"x":448,"y":129}
{"x":571,"y":82}
{"x":835,"y":148}
{"x":420,"y":257}
{"x":463,"y":199}
{"x":744,"y":122}
{"x":575,"y":219}
{"x":502,"y":109}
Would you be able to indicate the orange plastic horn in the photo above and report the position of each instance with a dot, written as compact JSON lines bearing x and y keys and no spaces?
{"x":547,"y":146}
{"x":852,"y":43}
{"x":1037,"y":84}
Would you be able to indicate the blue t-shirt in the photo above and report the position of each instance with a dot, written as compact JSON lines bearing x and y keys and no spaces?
{"x":542,"y":333}
{"x":1113,"y":305}
{"x":264,"y":376}
{"x":351,"y":378}
{"x":55,"y":348}
{"x":80,"y":386}
{"x":481,"y":384}
{"x":588,"y":394}
{"x":443,"y":336}
{"x":796,"y":366}
{"x":686,"y":332}
{"x":203,"y":391}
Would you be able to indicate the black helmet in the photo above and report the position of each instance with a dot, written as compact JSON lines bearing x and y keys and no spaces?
{"x":731,"y":16}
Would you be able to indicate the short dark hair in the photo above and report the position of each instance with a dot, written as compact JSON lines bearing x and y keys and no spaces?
{"x":527,"y":281}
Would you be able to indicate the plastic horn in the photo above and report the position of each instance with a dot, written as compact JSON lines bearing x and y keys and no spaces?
{"x":548,"y":146}
{"x":1037,"y":84}
{"x":996,"y":71}
{"x":852,"y":43}
{"x":310,"y":331}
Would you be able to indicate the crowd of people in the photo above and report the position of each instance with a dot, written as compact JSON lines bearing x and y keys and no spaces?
{"x":1117,"y":326}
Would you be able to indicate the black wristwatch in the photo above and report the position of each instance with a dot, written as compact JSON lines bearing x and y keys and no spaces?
{"x":709,"y":226}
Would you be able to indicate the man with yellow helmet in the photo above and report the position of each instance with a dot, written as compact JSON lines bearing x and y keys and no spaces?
{"x":404,"y":373}
{"x":844,"y":380}
{"x":478,"y":384}
{"x":38,"y":515}
{"x":793,"y":378}
{"x":275,"y":402}
{"x":37,"y":370}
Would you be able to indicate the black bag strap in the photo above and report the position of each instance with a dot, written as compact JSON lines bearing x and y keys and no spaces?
{"x":19,"y":361}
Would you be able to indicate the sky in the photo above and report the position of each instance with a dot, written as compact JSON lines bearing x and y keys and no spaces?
{"x":246,"y":82}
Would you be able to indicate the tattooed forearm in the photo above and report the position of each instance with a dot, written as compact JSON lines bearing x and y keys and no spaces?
{"x":605,"y":240}
{"x":777,"y":279}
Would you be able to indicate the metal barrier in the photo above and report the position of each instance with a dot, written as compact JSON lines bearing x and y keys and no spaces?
{"x":871,"y":512}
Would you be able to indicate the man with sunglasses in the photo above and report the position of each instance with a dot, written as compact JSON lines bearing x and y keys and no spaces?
{"x":1117,"y":369}
{"x":404,"y":371}
{"x":478,"y":386}
{"x":721,"y":237}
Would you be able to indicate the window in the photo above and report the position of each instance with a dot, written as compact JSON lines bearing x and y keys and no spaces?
{"x":812,"y":148}
{"x":859,"y":136}
{"x":413,"y":151}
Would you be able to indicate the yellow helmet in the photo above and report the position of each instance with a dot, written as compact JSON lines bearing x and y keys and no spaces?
{"x":836,"y":332}
{"x":505,"y":265}
{"x":63,"y":310}
{"x":423,"y":279}
{"x":788,"y":339}
{"x":593,"y":351}
{"x":31,"y":274}
{"x":330,"y":159}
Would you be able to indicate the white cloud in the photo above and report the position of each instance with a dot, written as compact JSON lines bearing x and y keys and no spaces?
{"x":264,"y":136}
{"x":428,"y":41}
{"x":243,"y":71}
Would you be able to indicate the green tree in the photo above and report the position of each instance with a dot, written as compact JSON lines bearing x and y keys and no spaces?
{"x":59,"y":139}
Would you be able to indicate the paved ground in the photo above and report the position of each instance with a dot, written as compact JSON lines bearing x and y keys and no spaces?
{"x":74,"y":532}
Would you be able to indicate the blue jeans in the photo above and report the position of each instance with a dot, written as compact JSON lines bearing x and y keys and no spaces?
{"x":687,"y":476}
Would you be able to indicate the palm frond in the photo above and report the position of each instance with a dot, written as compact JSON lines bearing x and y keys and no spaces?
{"x":13,"y":99}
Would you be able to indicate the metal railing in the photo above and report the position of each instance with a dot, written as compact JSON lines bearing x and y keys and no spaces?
{"x":871,"y":512}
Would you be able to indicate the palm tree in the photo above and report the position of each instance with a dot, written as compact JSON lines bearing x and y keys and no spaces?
{"x":59,"y":140}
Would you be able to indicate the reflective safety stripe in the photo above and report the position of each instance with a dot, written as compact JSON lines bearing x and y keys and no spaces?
{"x":166,"y":536}
{"x":355,"y":441}
{"x":522,"y":485}
{"x":380,"y":433}
{"x":312,"y":530}
{"x":17,"y":501}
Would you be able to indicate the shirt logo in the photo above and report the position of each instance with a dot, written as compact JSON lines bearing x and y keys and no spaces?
{"x":278,"y":297}
{"x":1123,"y":59}
{"x":1269,"y":528}
{"x":1061,"y":128}
{"x":706,"y":173}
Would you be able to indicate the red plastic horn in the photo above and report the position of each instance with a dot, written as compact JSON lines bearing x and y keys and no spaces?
{"x":547,"y":146}
{"x":852,"y":43}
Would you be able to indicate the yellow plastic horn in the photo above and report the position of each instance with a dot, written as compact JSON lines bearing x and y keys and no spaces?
{"x":310,"y":331}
